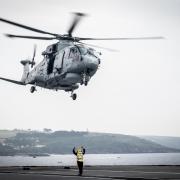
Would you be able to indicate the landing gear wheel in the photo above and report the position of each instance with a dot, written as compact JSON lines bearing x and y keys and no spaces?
{"x":33,"y":88}
{"x":81,"y":83}
{"x":74,"y":96}
{"x":86,"y":83}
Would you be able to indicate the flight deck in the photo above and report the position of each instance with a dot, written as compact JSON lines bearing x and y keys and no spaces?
{"x":90,"y":172}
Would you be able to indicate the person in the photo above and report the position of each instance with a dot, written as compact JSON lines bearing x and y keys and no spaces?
{"x":79,"y":153}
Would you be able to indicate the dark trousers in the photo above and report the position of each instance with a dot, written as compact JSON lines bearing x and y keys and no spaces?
{"x":80,"y":166}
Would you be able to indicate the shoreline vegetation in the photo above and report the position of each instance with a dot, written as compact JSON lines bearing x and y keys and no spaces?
{"x":46,"y":142}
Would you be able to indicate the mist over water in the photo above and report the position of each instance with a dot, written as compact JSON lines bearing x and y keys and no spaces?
{"x":93,"y":159}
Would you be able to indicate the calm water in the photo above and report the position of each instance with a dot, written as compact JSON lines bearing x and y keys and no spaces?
{"x":94,"y":159}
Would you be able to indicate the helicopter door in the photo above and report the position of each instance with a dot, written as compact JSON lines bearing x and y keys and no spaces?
{"x":58,"y":64}
{"x":51,"y":57}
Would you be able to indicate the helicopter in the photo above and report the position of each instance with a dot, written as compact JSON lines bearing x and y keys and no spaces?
{"x":66,"y":64}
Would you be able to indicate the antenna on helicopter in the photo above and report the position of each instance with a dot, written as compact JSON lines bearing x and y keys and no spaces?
{"x":33,"y":58}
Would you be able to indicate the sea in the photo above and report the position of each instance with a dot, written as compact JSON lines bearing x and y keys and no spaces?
{"x":93,"y":159}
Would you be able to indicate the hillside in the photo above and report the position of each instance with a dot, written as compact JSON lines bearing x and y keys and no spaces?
{"x":62,"y":142}
{"x":172,"y":142}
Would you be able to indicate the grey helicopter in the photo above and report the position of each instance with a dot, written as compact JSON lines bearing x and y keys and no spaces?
{"x":66,"y":64}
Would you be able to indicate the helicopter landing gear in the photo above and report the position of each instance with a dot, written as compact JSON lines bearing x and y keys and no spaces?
{"x":86,"y":83}
{"x":73,"y":95}
{"x":33,"y":88}
{"x":81,"y":83}
{"x":85,"y":79}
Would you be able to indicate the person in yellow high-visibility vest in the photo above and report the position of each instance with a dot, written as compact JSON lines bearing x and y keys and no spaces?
{"x":79,"y":153}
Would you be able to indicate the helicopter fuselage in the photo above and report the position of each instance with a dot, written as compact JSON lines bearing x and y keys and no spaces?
{"x":65,"y":64}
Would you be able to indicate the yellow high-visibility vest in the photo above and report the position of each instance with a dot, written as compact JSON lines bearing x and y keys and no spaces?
{"x":79,"y":155}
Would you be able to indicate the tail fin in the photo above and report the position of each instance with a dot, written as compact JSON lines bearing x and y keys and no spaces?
{"x":26,"y":64}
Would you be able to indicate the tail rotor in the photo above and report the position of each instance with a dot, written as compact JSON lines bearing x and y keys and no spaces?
{"x":33,"y":58}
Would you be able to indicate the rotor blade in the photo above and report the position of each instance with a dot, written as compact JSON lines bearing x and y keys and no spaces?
{"x":13,"y":81}
{"x":108,"y":49}
{"x":133,"y":38}
{"x":75,"y":22}
{"x":30,"y":37}
{"x":26,"y":27}
{"x":34,"y":52}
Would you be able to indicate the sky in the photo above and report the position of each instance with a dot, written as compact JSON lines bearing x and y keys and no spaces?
{"x":136,"y":91}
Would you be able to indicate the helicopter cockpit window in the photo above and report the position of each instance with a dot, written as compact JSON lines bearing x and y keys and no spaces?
{"x":92,"y":52}
{"x":73,"y":53}
{"x":83,"y":50}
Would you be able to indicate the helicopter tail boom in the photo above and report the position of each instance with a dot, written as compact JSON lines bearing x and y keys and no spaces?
{"x":26,"y":64}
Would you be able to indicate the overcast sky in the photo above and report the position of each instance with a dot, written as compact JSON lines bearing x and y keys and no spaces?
{"x":136,"y":90}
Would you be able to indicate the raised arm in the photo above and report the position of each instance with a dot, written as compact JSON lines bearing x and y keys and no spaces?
{"x":74,"y":152}
{"x":84,"y":151}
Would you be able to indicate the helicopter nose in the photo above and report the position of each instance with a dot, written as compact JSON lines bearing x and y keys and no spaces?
{"x":93,"y":64}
